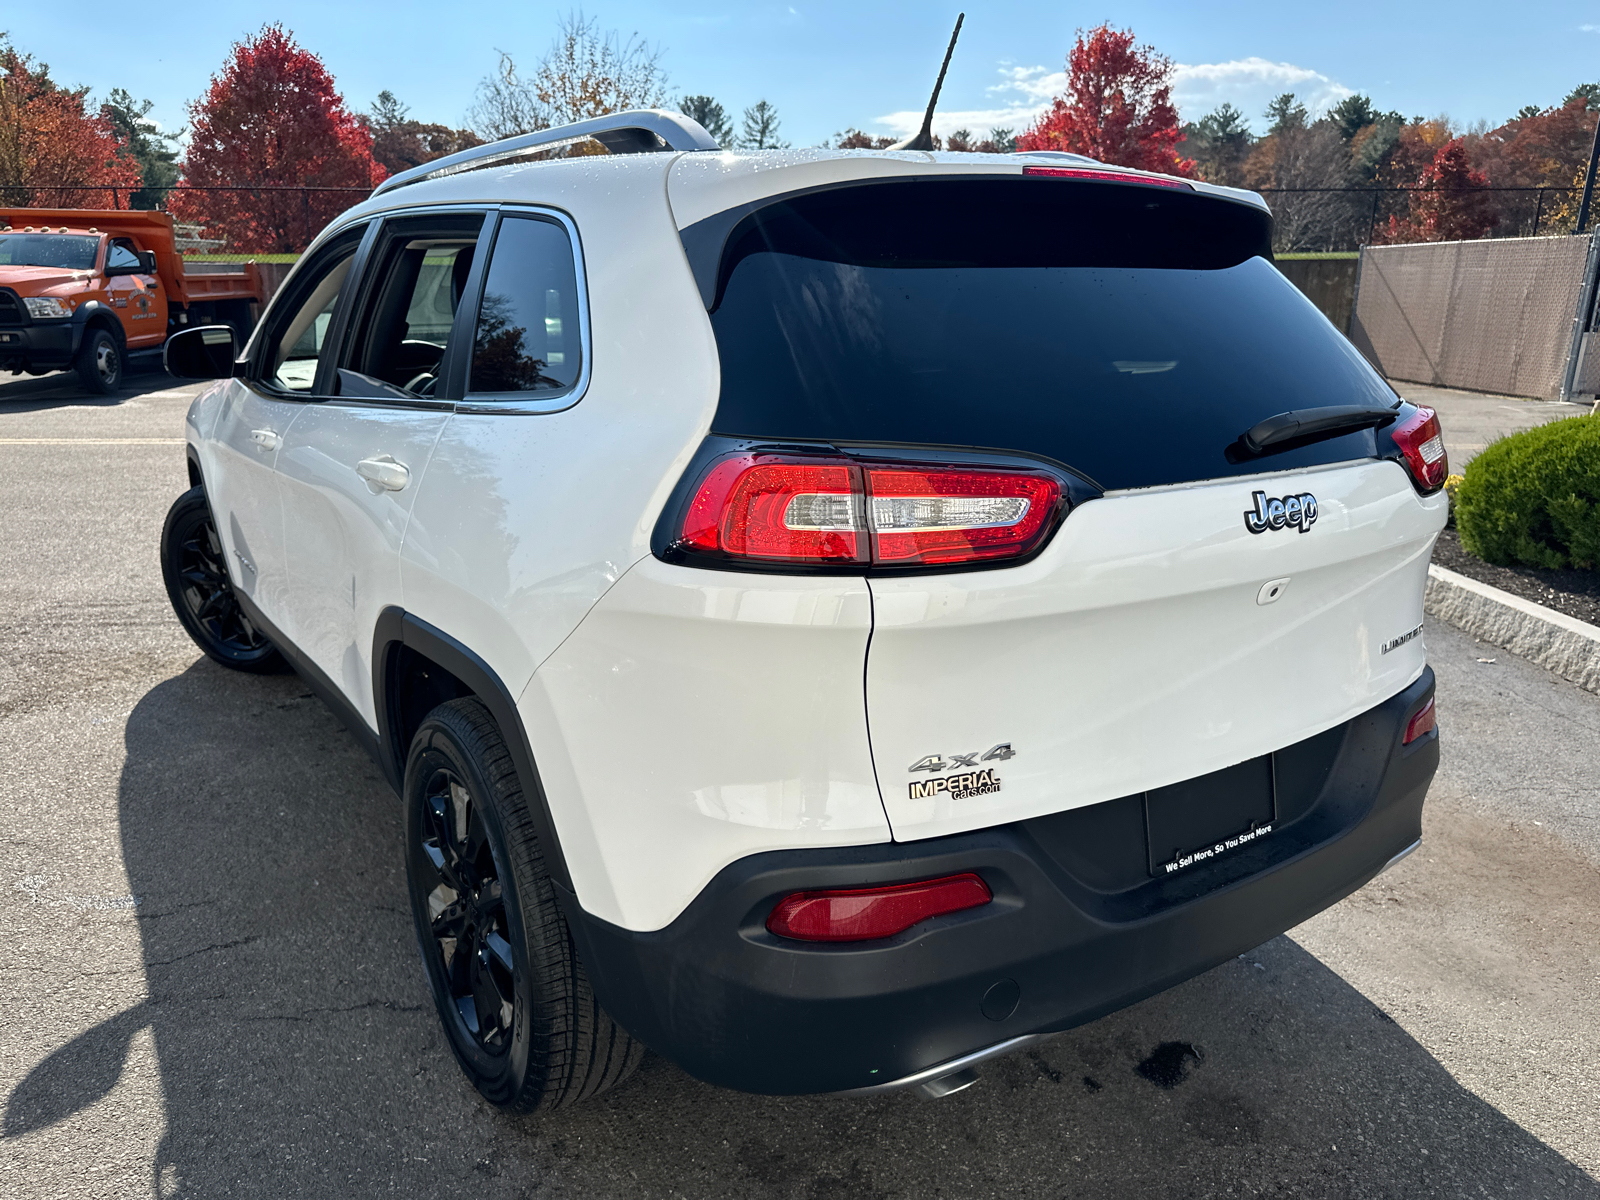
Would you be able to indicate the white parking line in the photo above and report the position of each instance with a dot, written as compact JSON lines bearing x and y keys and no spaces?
{"x":91,"y":441}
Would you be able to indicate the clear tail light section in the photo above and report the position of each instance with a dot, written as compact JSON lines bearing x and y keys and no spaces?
{"x":776,"y":508}
{"x":1421,"y":443}
{"x":866,"y":914}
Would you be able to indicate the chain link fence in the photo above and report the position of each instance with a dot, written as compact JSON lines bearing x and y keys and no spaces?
{"x":1347,"y":218}
{"x":1494,"y":315}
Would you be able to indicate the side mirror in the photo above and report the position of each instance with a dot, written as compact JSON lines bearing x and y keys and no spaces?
{"x":207,"y":352}
{"x":147,"y":260}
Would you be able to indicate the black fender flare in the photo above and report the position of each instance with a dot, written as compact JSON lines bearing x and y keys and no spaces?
{"x":96,"y":314}
{"x":395,"y":628}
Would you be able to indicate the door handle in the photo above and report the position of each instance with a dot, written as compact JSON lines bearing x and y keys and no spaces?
{"x":265,"y":438}
{"x":383,"y":474}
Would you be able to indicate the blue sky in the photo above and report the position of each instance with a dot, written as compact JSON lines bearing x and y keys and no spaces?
{"x":835,"y":64}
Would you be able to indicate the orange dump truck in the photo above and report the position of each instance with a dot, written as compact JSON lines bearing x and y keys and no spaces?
{"x":86,"y":288}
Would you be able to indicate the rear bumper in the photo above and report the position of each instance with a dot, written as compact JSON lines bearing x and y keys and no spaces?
{"x":1069,"y":937}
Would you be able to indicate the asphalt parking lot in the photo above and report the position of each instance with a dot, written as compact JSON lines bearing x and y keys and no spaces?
{"x":210,"y":985}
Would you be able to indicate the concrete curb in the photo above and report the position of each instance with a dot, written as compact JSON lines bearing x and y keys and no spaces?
{"x":1563,"y":644}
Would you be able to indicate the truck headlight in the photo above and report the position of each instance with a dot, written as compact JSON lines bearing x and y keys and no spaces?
{"x":42,"y":308}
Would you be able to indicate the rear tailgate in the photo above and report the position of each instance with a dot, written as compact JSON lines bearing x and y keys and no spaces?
{"x":1133,"y":653}
{"x":1136,"y":338}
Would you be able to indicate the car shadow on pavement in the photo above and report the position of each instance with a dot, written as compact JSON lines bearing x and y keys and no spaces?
{"x":299,"y":1052}
{"x":62,"y":389}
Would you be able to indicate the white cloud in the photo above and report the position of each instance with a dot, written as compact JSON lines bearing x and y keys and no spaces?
{"x":1589,"y":28}
{"x":1024,"y":92}
{"x":1020,"y":96}
{"x":1250,"y":84}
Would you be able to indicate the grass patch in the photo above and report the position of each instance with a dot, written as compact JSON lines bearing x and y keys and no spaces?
{"x":1312,"y":255}
{"x":242,"y":258}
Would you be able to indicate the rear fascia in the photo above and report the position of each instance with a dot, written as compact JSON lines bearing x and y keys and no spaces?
{"x":738,"y":1007}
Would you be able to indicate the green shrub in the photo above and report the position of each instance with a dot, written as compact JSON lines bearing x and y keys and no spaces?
{"x":1534,"y":497}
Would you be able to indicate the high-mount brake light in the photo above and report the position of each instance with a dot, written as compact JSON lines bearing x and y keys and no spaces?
{"x":1095,"y":175}
{"x":1422,"y":724}
{"x":782,"y":508}
{"x":1421,"y":440}
{"x":865,"y":914}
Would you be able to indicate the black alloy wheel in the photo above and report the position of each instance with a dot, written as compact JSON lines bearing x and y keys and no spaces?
{"x":514,"y":1000}
{"x":196,"y":575}
{"x":467,"y":912}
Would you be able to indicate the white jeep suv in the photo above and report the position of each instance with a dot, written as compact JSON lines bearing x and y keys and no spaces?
{"x":831,"y":617}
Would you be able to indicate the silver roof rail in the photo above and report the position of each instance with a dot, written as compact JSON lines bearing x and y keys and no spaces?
{"x":637,"y":131}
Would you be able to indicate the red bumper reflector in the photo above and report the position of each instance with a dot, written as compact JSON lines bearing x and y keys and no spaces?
{"x":1422,"y":723}
{"x":1421,"y":440}
{"x":1095,"y":175}
{"x":863,"y":914}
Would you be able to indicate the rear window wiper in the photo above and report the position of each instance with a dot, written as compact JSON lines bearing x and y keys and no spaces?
{"x":1302,"y":426}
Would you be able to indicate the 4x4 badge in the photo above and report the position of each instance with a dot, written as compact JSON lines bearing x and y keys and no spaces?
{"x":1299,"y":511}
{"x":936,"y":762}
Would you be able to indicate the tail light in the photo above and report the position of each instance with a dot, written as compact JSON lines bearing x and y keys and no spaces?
{"x":863,"y":914}
{"x":1422,"y":442}
{"x":1421,"y":724}
{"x":792,"y":509}
{"x":1100,"y":175}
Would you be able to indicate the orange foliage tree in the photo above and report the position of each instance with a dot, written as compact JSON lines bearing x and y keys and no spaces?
{"x":1117,"y":107}
{"x":53,"y":152}
{"x":272,"y":120}
{"x":1452,"y":202}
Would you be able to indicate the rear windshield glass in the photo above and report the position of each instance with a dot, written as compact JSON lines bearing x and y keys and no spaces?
{"x":1131,"y":333}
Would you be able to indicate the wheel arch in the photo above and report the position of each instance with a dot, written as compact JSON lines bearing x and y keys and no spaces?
{"x":96,"y":315}
{"x":416,"y":667}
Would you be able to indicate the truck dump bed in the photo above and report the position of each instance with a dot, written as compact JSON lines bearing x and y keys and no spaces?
{"x":186,"y":282}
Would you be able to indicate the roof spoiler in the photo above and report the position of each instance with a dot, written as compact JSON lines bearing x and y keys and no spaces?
{"x":637,"y":131}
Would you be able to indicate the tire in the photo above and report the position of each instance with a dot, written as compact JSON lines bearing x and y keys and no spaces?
{"x":514,"y":1000}
{"x":196,"y":576}
{"x":99,"y":362}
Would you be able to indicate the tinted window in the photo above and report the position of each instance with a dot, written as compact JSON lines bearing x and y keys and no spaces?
{"x":418,"y":274}
{"x":1130,"y":333}
{"x":527,"y":333}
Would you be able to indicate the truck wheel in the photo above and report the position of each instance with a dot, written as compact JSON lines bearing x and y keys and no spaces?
{"x":202,"y":594}
{"x":516,"y":1004}
{"x":99,"y":362}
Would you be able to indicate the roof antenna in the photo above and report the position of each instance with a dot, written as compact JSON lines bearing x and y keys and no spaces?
{"x":923,"y":138}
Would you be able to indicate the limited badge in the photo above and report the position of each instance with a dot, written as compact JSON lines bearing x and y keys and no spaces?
{"x":1396,"y":643}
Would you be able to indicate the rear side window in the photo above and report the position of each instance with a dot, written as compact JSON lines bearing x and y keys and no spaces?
{"x":527,"y":339}
{"x":1130,"y":333}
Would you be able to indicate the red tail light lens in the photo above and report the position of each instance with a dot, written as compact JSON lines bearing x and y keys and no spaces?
{"x":777,"y":508}
{"x":780,"y":509}
{"x":1422,"y":442}
{"x":860,"y":915}
{"x":1421,"y":724}
{"x":1103,"y":176}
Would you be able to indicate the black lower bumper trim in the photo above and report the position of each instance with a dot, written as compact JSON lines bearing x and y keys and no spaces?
{"x":736,"y":1006}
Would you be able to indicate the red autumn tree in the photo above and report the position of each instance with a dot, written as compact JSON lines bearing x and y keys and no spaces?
{"x":1452,"y":202}
{"x":53,"y":152}
{"x":272,"y":120}
{"x":1117,"y":107}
